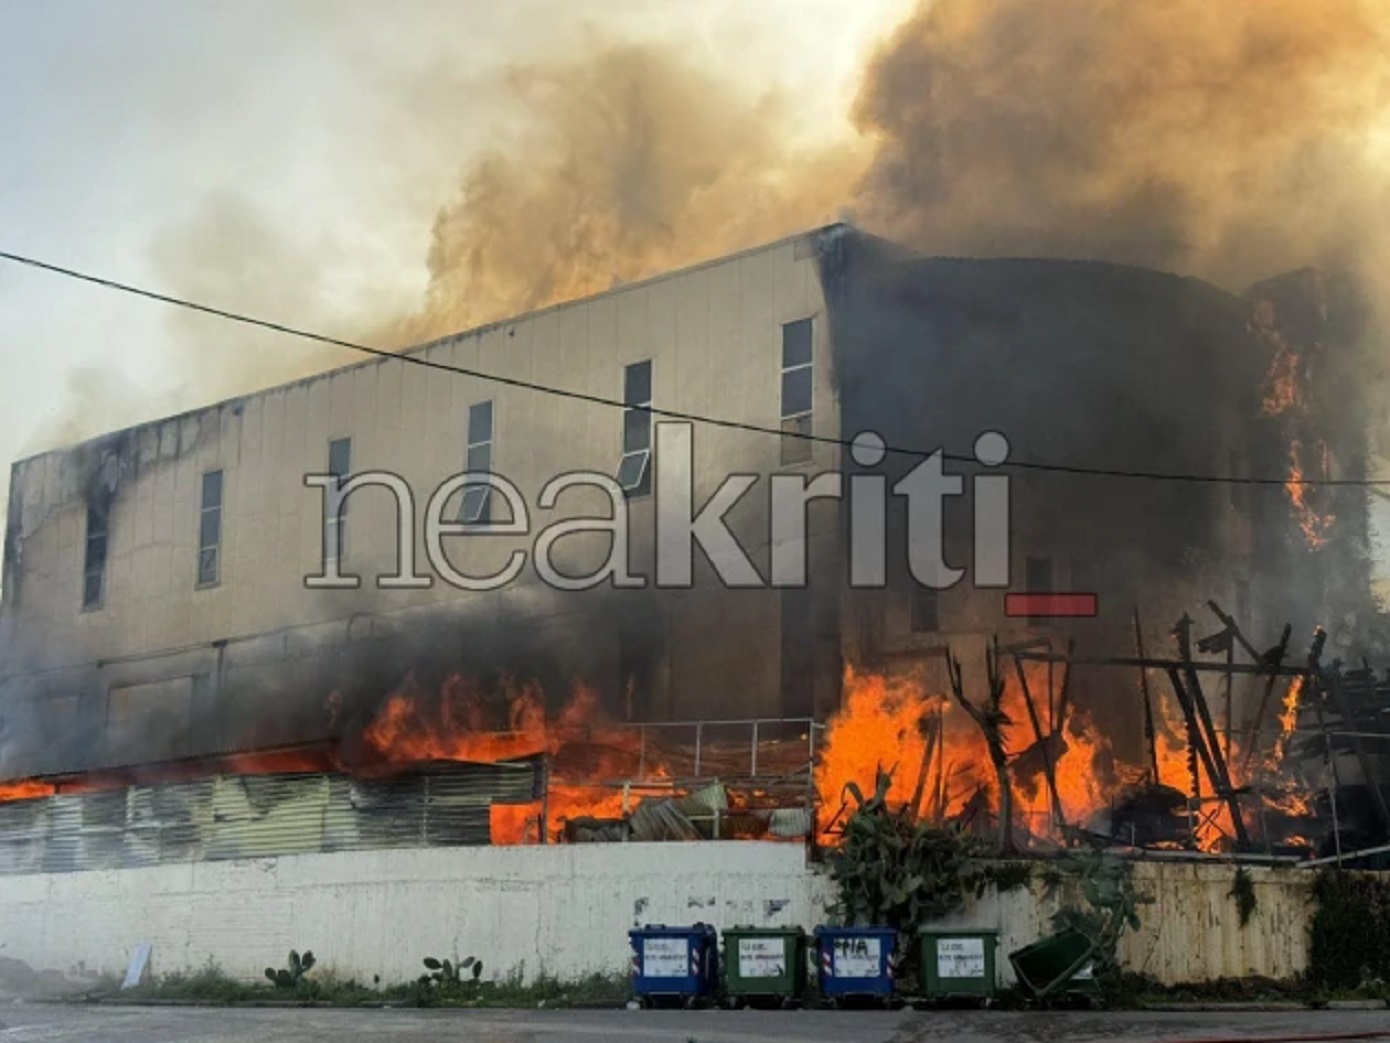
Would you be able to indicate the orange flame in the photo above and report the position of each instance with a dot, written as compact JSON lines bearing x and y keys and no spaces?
{"x":1315,"y":526}
{"x":25,"y":789}
{"x":938,"y":754}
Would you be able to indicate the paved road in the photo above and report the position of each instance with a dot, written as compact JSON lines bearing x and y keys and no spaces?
{"x":39,"y":1023}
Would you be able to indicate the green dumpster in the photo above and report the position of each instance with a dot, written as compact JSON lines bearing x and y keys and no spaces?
{"x":958,"y":964}
{"x":765,"y":963}
{"x":1060,"y":964}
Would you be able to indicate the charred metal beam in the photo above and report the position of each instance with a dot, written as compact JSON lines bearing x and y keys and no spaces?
{"x":1064,"y":691}
{"x":1044,"y":744}
{"x":1222,"y":778}
{"x":1230,"y":624}
{"x":1154,"y":663}
{"x":1150,"y":731}
{"x":1274,"y":658}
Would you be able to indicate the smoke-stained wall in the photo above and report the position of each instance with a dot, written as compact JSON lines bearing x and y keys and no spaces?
{"x":1076,"y":363}
{"x":257,"y":655}
{"x":1083,"y":365}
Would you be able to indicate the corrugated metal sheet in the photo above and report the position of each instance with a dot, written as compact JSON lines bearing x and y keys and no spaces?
{"x":256,"y":816}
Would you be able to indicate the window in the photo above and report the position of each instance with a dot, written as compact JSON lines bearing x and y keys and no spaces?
{"x":210,"y":530}
{"x":335,"y":525}
{"x":634,"y":470}
{"x":1038,"y":573}
{"x":925,"y":611}
{"x":476,"y":508}
{"x":94,"y":561}
{"x":796,"y":391}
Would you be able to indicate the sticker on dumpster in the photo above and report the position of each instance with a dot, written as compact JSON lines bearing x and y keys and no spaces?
{"x":960,"y":957}
{"x":761,"y":957}
{"x":665,"y":958}
{"x":858,"y":957}
{"x":1086,"y":973}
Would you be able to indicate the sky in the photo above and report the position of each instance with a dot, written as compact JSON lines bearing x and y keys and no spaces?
{"x":287,"y":158}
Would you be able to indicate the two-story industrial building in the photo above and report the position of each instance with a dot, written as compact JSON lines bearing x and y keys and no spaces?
{"x":157,"y":595}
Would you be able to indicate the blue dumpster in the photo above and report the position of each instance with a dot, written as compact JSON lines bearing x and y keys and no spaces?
{"x":674,"y":962}
{"x":855,"y":961}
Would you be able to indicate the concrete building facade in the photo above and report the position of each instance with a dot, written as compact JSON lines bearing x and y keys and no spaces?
{"x":155,"y":598}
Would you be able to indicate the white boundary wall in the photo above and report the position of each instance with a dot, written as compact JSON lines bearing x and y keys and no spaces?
{"x":563,"y":911}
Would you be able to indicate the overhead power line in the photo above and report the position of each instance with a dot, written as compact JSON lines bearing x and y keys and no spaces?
{"x":671,"y":414}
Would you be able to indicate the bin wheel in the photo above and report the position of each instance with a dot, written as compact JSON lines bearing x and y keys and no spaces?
{"x":833,"y":1003}
{"x":788,"y":1003}
{"x":689,"y":1002}
{"x":736,"y":1003}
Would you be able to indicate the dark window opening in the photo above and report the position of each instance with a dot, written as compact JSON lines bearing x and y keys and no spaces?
{"x":94,"y":559}
{"x":634,"y":468}
{"x":335,"y":526}
{"x":926,"y":609}
{"x":210,"y":530}
{"x":476,"y":508}
{"x":797,"y":391}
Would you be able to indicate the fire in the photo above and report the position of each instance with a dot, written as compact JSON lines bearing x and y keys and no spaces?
{"x":460,"y":723}
{"x":1315,"y":526}
{"x":1288,"y":718}
{"x":25,"y":789}
{"x":940,"y":759}
{"x":1284,"y":384}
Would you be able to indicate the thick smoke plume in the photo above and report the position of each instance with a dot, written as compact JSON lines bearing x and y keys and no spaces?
{"x":630,"y":162}
{"x":1227,"y":140}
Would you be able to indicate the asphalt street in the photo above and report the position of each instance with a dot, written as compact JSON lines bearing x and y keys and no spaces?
{"x":43,"y":1023}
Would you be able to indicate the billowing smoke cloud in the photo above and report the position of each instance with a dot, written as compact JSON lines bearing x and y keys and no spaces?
{"x":630,"y":161}
{"x":1227,"y":140}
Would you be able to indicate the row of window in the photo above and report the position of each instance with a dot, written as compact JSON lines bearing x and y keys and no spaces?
{"x":634,"y":473}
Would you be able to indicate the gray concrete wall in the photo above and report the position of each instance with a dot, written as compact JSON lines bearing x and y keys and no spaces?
{"x":565,"y":911}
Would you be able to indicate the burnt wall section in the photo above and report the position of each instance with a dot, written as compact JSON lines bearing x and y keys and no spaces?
{"x":1077,"y":364}
{"x":1319,"y":411}
{"x":252,"y":656}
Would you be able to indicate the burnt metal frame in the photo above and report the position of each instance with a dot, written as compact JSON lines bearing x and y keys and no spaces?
{"x":1184,"y":676}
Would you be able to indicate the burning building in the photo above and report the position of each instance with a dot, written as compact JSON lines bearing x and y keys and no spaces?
{"x":161,"y":621}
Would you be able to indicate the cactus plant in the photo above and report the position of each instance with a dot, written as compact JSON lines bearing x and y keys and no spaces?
{"x":289,"y":976}
{"x":450,"y":974}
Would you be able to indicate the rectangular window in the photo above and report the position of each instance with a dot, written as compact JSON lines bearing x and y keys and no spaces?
{"x":925,"y":611}
{"x":476,"y":508}
{"x":335,"y":525}
{"x":1038,"y":574}
{"x":210,"y":530}
{"x":634,"y":470}
{"x":796,"y":391}
{"x":94,"y":560}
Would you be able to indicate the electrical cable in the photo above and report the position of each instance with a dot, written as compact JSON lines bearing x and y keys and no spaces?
{"x":670,"y":414}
